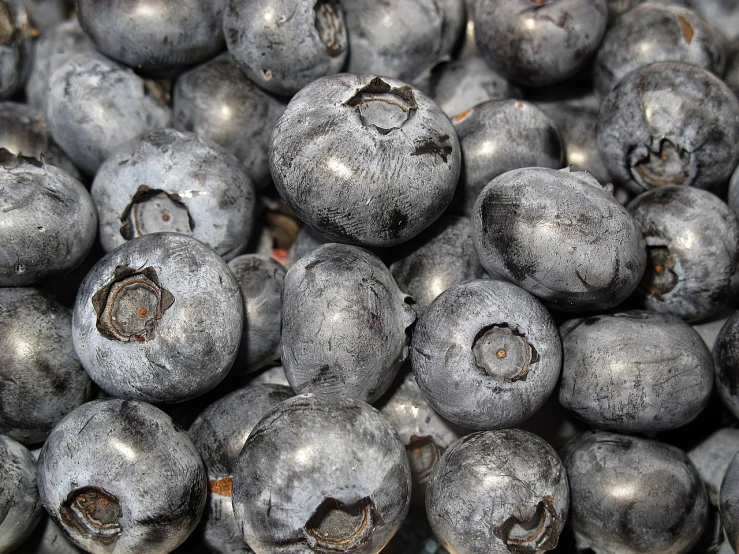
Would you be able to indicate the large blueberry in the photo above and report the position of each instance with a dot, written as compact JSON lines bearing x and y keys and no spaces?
{"x":16,"y":48}
{"x":321,"y":475}
{"x":158,"y":319}
{"x":120,"y":476}
{"x":344,"y":324}
{"x":364,"y":159}
{"x":20,"y":509}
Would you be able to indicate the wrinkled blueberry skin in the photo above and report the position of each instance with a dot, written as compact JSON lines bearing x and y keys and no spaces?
{"x":39,"y":202}
{"x":16,"y":47}
{"x":712,"y":458}
{"x":283,"y":45}
{"x":560,"y":236}
{"x":635,"y":372}
{"x":657,"y":33}
{"x":693,"y":247}
{"x":500,"y":136}
{"x":121,"y":475}
{"x":157,"y":36}
{"x":726,"y":364}
{"x":442,"y":256}
{"x":219,"y":103}
{"x":339,"y":126}
{"x":219,"y":433}
{"x":344,"y":324}
{"x":42,"y":379}
{"x":261,"y":280}
{"x":670,"y":123}
{"x":728,"y":504}
{"x":174,"y":342}
{"x":498,"y":492}
{"x":486,"y":354}
{"x":95,"y":105}
{"x":535,"y":42}
{"x":19,"y":499}
{"x":402,"y":39}
{"x":165,"y":180}
{"x":633,"y":495}
{"x":283,"y":483}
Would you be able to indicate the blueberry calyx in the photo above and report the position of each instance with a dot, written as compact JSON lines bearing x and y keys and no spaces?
{"x":659,"y":277}
{"x":330,"y":26}
{"x":663,"y":164}
{"x":503,"y":352}
{"x":155,"y":211}
{"x":530,"y":535}
{"x":94,"y":512}
{"x":339,"y":527}
{"x":383,"y":107}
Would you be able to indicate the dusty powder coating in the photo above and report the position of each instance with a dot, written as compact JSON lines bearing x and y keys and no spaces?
{"x":16,"y":47}
{"x":19,"y":498}
{"x":726,"y":364}
{"x":365,"y":160}
{"x":158,"y":319}
{"x":637,"y":372}
{"x":121,"y":474}
{"x":486,"y":354}
{"x":344,"y":324}
{"x":633,"y":495}
{"x":498,"y":492}
{"x":321,"y":475}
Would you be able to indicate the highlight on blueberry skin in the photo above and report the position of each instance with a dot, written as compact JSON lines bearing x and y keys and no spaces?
{"x":344,"y":324}
{"x":120,"y":475}
{"x":498,"y":492}
{"x":486,"y":354}
{"x":158,"y":319}
{"x":336,"y":128}
{"x":321,"y":475}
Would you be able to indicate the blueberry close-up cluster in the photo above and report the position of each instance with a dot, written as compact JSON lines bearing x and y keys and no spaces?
{"x":369,"y":276}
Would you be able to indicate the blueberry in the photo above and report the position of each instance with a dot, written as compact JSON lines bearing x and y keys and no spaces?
{"x":728,"y":505}
{"x":156,"y":36}
{"x":165,"y":180}
{"x":220,"y":104}
{"x":731,"y":75}
{"x":486,"y":354}
{"x":158,"y":319}
{"x":48,"y":538}
{"x":635,"y":372}
{"x":94,"y":105}
{"x":560,"y":236}
{"x":121,"y":475}
{"x":654,"y":33}
{"x":692,"y":246}
{"x":47,"y":15}
{"x":39,"y":202}
{"x":284,"y":45}
{"x":726,"y":363}
{"x":498,"y":492}
{"x":219,"y":433}
{"x":712,"y":456}
{"x":733,"y":195}
{"x":499,"y":136}
{"x":632,"y":495}
{"x":670,"y":123}
{"x":539,"y":42}
{"x":19,"y":499}
{"x":344,"y":324}
{"x":261,"y":280}
{"x":16,"y":48}
{"x":321,"y":475}
{"x":339,"y":126}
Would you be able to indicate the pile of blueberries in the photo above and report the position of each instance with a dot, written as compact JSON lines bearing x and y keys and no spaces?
{"x":369,"y":276}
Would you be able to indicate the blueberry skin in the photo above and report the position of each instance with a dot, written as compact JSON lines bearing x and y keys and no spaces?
{"x":165,"y":180}
{"x":728,"y":505}
{"x":486,"y":354}
{"x":49,"y":539}
{"x":339,"y":126}
{"x":155,"y":37}
{"x":94,"y":105}
{"x":499,"y":136}
{"x":539,"y":43}
{"x":712,"y":458}
{"x":733,"y":196}
{"x":46,"y":15}
{"x":308,"y":240}
{"x":560,"y":236}
{"x":344,"y":324}
{"x":657,"y":33}
{"x":19,"y":500}
{"x":261,"y":281}
{"x":42,"y":379}
{"x":693,"y":248}
{"x":722,"y":14}
{"x":633,"y":495}
{"x":120,"y":475}
{"x":498,"y":492}
{"x":158,"y":319}
{"x":283,"y":45}
{"x":219,"y":433}
{"x":288,"y":499}
{"x":442,"y":256}
{"x":635,"y":372}
{"x":220,"y":104}
{"x":39,"y":201}
{"x":731,"y":75}
{"x":670,"y":123}
{"x":16,"y":47}
{"x":726,"y":364}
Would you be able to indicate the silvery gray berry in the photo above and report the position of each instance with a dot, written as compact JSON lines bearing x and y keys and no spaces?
{"x":19,"y":499}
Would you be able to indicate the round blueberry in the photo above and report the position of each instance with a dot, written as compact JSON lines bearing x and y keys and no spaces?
{"x":19,"y":499}
{"x":16,"y":48}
